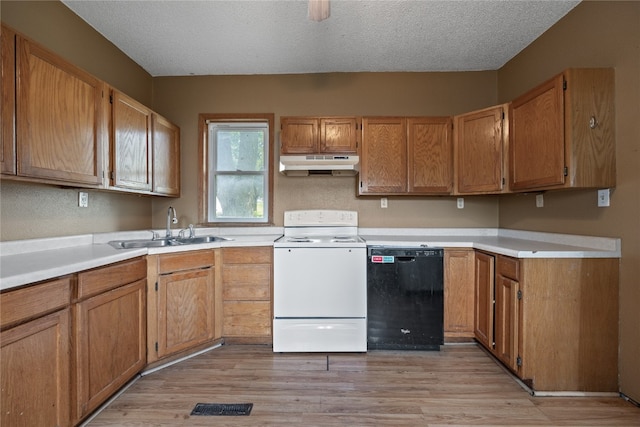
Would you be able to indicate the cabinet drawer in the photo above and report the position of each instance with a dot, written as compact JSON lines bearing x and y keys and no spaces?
{"x":246,"y":282}
{"x":102,"y":279}
{"x":185,"y":261}
{"x":257,"y":255}
{"x":509,"y":267}
{"x":27,"y":303}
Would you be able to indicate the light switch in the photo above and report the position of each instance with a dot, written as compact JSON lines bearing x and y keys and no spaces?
{"x":539,"y":200}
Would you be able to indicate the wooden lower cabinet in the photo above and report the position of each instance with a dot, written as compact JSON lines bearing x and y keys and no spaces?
{"x":35,"y":372}
{"x":553,"y":322}
{"x":109,"y":332}
{"x":35,"y":355}
{"x":458,"y":294}
{"x":484,"y":298}
{"x":247,"y":289}
{"x":181,"y":298}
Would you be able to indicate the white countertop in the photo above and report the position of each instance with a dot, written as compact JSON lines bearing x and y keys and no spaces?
{"x":514,"y":243}
{"x":29,"y":261}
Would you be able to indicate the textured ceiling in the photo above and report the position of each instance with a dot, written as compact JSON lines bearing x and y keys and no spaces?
{"x":209,"y":37}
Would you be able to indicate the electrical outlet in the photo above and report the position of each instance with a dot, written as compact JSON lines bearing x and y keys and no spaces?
{"x":83,"y":199}
{"x":383,"y":202}
{"x":603,"y":198}
{"x":460,"y":202}
{"x":539,"y":200}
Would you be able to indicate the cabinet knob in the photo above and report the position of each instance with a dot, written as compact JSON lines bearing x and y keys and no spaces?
{"x":593,"y":122}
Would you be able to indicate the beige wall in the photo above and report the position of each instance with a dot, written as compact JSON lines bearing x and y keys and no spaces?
{"x":183,"y":98}
{"x":31,"y":211}
{"x":594,"y":34}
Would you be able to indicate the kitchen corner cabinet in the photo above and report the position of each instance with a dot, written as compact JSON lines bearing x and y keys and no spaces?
{"x":166,"y":157}
{"x":8,"y":101}
{"x":145,"y":148}
{"x":406,"y":156}
{"x":562,"y":133}
{"x":180,"y":302}
{"x":109,"y":332}
{"x":247,"y":278}
{"x":35,"y":354}
{"x":58,"y":117}
{"x":319,"y":135}
{"x":480,"y":147}
{"x":459,"y":294}
{"x":553,"y":322}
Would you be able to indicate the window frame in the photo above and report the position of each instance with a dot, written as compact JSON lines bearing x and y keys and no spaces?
{"x":203,"y":167}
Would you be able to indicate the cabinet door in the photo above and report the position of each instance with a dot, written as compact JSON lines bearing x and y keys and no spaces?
{"x":537,"y":137}
{"x":8,"y":104}
{"x":479,"y":159}
{"x":430,"y":155}
{"x":384,"y":156}
{"x":299,"y":135}
{"x":59,"y":118}
{"x":35,"y":372}
{"x":338,"y":135}
{"x":484,"y":277}
{"x":506,"y":321}
{"x":131,"y":143}
{"x":185,"y":310}
{"x":166,"y":157}
{"x":110,"y":344}
{"x":458,"y":293}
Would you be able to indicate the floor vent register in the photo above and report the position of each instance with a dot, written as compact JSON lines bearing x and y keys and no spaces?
{"x":222,"y":409}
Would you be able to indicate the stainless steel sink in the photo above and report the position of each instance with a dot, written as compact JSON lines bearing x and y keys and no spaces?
{"x":159,"y":243}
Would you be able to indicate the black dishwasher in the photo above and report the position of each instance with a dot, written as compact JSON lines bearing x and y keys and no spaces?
{"x":405,"y":301}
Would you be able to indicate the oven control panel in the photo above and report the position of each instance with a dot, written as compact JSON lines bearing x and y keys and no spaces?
{"x":311,"y":218}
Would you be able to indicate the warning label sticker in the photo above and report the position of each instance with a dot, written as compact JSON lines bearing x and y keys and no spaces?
{"x":383,"y":259}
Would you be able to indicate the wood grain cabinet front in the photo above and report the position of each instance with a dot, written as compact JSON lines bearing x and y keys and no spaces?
{"x":480,"y":151}
{"x":458,"y":294}
{"x":181,"y":302}
{"x":553,"y":322}
{"x":109,"y":332}
{"x":406,"y":156}
{"x":8,"y":101}
{"x":247,"y":288}
{"x":59,"y":118}
{"x":317,"y":135}
{"x":35,"y":359}
{"x":562,"y":133}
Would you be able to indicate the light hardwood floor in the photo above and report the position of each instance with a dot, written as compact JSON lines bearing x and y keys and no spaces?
{"x":460,"y":385}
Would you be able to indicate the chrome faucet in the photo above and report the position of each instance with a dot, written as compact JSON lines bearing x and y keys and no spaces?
{"x":171,"y":220}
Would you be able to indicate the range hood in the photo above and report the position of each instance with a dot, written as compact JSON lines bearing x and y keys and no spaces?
{"x":319,"y":164}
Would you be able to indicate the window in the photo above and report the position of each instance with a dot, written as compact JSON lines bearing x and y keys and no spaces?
{"x":237,"y":176}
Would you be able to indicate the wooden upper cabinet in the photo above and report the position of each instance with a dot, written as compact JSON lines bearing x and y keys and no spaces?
{"x":131,"y":150}
{"x":430,"y":155}
{"x":480,"y":150}
{"x":338,"y":135}
{"x":58,"y":118}
{"x":383,"y":162}
{"x":166,"y":157}
{"x":316,"y":135}
{"x":406,"y":156}
{"x":8,"y":104}
{"x":562,"y":133}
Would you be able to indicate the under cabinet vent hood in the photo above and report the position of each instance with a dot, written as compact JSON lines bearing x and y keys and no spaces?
{"x":319,"y":164}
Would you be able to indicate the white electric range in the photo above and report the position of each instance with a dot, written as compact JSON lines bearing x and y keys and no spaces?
{"x":319,"y":283}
